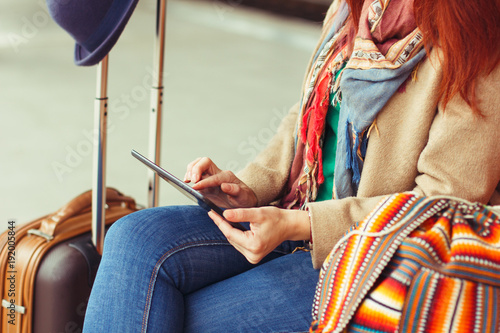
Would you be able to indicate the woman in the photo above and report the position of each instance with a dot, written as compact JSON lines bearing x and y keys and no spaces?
{"x":399,"y":96}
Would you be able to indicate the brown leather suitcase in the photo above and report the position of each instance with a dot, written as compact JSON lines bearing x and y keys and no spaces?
{"x":47,"y":266}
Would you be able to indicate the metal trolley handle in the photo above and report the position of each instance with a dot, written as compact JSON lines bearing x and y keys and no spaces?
{"x":100,"y":123}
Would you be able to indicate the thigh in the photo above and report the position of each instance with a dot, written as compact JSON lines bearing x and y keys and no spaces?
{"x":148,"y":264}
{"x":151,"y":259}
{"x":274,"y":297}
{"x":182,"y":242}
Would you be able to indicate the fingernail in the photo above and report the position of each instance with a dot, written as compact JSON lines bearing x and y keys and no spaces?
{"x":211,"y":214}
{"x":227,"y":214}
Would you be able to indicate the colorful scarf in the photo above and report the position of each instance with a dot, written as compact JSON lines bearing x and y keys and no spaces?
{"x":387,"y":48}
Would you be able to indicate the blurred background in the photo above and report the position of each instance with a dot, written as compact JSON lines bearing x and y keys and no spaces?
{"x":233,"y":68}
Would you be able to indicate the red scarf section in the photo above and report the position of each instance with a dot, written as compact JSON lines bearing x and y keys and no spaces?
{"x":314,"y":123}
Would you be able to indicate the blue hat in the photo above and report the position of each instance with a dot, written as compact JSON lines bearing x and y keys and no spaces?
{"x":95,"y":25}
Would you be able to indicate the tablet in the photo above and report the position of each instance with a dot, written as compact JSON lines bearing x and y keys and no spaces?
{"x":184,"y":188}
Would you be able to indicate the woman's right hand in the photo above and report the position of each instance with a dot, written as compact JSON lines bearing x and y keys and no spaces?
{"x":220,"y":186}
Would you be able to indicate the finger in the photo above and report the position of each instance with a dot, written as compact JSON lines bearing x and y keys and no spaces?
{"x":240,"y":240}
{"x":203,"y":165}
{"x":187,"y":176}
{"x":213,"y":180}
{"x":231,"y":233}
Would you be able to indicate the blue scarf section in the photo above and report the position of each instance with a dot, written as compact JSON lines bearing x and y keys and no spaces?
{"x":364,"y":94}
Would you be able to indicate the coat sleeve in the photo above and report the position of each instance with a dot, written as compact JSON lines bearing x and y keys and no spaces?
{"x":462,"y":155}
{"x":267,"y":174}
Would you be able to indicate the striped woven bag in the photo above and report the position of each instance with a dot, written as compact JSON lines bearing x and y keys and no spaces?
{"x":415,"y":264}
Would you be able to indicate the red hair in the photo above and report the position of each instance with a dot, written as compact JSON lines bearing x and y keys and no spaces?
{"x":468,"y":34}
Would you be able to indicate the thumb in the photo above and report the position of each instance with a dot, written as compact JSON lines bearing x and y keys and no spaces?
{"x":243,"y":215}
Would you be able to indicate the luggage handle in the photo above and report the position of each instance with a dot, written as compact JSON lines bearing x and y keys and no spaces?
{"x":100,"y":123}
{"x":99,"y":167}
{"x":75,"y":207}
{"x":157,"y":102}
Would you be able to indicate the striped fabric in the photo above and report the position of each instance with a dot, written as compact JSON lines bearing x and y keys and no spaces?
{"x":414,"y":265}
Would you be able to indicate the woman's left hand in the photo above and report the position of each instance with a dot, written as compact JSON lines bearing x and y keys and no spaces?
{"x":269,"y":227}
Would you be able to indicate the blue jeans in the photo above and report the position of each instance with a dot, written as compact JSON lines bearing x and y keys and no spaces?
{"x":170,"y":269}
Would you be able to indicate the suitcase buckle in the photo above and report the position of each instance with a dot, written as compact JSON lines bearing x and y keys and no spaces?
{"x":37,"y":232}
{"x":18,"y":308}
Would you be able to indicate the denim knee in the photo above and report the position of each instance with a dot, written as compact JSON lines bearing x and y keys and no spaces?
{"x":123,"y":231}
{"x":136,"y":231}
{"x":162,"y":227}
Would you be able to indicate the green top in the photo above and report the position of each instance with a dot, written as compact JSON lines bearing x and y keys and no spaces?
{"x":325,"y":191}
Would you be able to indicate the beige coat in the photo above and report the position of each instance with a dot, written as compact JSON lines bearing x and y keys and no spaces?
{"x":418,"y":146}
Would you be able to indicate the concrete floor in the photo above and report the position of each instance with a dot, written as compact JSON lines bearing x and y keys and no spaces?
{"x":231,"y":73}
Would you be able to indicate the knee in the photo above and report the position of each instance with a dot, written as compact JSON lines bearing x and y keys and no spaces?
{"x":132,"y":232}
{"x":141,"y":231}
